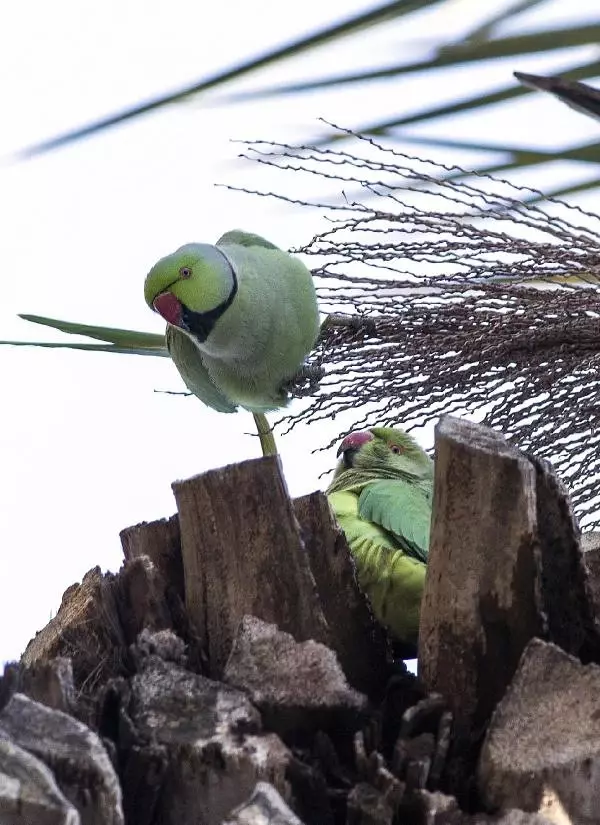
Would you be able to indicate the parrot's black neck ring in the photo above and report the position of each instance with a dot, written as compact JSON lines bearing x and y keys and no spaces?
{"x":201,"y":324}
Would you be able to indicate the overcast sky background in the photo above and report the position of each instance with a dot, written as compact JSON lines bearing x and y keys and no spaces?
{"x":87,"y":446}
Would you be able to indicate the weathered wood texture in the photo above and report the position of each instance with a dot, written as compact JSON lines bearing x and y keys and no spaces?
{"x":203,"y":740}
{"x":590,"y":545}
{"x":75,"y":754}
{"x":542,"y":749}
{"x":50,"y":683}
{"x":29,"y":792}
{"x":298,"y":687}
{"x":95,"y":625}
{"x":161,"y":541}
{"x":505,"y":565}
{"x":142,"y":601}
{"x":568,"y":583}
{"x":87,"y":629}
{"x":360,"y":642}
{"x":481,"y":603}
{"x":265,"y":806}
{"x":242,"y":554}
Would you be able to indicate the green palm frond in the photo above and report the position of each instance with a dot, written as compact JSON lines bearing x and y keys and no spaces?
{"x":382,"y":14}
{"x":487,"y":42}
{"x":451,"y":56}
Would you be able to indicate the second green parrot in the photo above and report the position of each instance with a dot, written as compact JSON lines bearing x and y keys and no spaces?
{"x":241,"y":317}
{"x":381,"y":495}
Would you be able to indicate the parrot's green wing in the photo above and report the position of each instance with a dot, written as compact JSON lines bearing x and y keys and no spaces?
{"x":402,"y":509}
{"x":236,"y":236}
{"x":188,"y":360}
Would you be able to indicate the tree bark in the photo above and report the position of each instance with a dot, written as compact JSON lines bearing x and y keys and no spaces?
{"x":242,"y":554}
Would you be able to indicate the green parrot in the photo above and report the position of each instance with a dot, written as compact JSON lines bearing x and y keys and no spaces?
{"x":578,"y":96}
{"x":381,"y":495}
{"x":241,"y":318}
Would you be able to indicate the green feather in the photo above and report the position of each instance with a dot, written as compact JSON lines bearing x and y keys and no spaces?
{"x":236,"y":236}
{"x":190,"y":366}
{"x":403,"y":510}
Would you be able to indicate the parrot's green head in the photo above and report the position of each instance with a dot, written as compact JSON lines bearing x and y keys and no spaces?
{"x":192,"y":288}
{"x":383,"y":452}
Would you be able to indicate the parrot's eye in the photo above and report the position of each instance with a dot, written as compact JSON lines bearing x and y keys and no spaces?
{"x":185,"y":272}
{"x":395,"y":449}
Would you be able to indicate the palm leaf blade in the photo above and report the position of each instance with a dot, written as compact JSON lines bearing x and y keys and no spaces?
{"x":126,"y":338}
{"x":381,"y":13}
{"x":448,"y":56}
{"x":90,"y":348}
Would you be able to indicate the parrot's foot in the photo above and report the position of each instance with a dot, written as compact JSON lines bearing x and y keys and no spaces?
{"x":305,"y":381}
{"x":422,"y":745}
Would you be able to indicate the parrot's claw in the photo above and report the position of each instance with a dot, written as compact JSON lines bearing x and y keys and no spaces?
{"x":420,"y":754}
{"x":305,"y":381}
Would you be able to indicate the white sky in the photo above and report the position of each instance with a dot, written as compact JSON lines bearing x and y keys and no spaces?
{"x":87,"y":447}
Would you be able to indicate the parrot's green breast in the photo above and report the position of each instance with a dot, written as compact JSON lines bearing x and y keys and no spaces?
{"x":357,"y":531}
{"x":392,"y":579}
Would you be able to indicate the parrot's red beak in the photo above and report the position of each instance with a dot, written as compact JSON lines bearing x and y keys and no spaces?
{"x":167,"y":305}
{"x":354,"y":441}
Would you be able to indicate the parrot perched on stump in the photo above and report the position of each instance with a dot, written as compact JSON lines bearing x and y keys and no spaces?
{"x":241,"y":318}
{"x":381,"y":495}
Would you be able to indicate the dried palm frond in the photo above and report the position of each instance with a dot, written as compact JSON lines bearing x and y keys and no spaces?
{"x":453,"y":294}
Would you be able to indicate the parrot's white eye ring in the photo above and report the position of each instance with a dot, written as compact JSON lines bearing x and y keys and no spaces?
{"x":395,"y":449}
{"x":185,"y":272}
